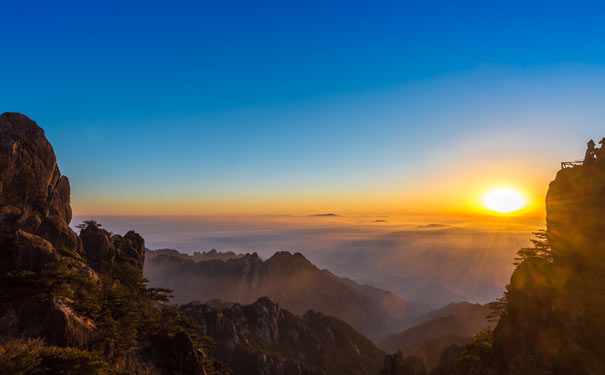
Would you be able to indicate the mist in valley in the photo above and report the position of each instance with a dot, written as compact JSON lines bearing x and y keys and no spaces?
{"x":434,"y":263}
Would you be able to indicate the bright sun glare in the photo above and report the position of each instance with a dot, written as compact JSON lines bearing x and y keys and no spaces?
{"x":504,"y":200}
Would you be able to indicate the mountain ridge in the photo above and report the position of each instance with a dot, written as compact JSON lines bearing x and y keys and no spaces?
{"x":292,"y":281}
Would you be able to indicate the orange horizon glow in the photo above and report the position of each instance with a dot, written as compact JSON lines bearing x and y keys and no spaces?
{"x":450,"y":186}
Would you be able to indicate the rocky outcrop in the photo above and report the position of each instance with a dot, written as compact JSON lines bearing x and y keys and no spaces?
{"x":289,"y":279}
{"x":34,"y":232}
{"x":553,"y":322}
{"x":575,"y":212}
{"x":34,"y":196}
{"x":263,"y":338}
{"x":102,"y":249}
{"x":52,"y":287}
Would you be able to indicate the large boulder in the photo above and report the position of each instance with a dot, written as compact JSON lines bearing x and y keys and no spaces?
{"x":34,"y":196}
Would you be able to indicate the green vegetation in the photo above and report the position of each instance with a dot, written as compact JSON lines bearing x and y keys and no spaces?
{"x":128,"y":315}
{"x":476,"y":355}
{"x":32,"y":357}
{"x":540,"y":249}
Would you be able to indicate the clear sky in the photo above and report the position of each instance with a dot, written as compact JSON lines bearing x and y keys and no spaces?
{"x":300,"y":107}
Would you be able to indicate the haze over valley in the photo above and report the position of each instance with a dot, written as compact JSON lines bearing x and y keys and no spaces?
{"x":422,"y":261}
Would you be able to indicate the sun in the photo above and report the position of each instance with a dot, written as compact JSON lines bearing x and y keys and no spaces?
{"x":504,"y":200}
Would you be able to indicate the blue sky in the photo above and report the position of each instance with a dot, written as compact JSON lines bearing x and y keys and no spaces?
{"x":270,"y":102}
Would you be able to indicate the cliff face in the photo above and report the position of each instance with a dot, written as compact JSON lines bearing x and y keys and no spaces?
{"x":34,"y":231}
{"x":554,"y":319}
{"x":575,"y":212}
{"x":34,"y":196}
{"x":80,"y":294}
{"x":262,"y":338}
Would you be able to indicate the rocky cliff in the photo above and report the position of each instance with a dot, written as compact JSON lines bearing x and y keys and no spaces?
{"x":82,"y":295}
{"x":553,"y":321}
{"x":34,"y":196}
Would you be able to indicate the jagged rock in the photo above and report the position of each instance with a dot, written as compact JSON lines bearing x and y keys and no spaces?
{"x":102,"y":250}
{"x":99,"y":251}
{"x":262,"y":338}
{"x":131,"y":249}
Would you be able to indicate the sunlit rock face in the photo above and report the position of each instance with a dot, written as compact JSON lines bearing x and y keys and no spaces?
{"x":34,"y":196}
{"x":34,"y":231}
{"x":554,"y":322}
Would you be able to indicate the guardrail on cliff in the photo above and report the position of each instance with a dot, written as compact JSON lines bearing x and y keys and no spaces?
{"x":571,"y":164}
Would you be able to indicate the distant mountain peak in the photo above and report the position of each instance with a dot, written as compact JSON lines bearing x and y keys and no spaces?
{"x":289,"y":279}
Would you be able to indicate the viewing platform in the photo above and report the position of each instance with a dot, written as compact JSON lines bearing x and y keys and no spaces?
{"x":571,"y":164}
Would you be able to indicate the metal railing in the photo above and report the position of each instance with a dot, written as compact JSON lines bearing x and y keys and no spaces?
{"x":571,"y":164}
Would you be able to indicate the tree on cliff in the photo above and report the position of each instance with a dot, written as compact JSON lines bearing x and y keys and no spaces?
{"x":87,"y":223}
{"x":540,"y":249}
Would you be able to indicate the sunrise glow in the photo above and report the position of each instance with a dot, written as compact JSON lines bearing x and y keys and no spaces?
{"x":504,"y":200}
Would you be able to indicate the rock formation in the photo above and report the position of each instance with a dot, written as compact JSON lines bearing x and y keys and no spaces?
{"x":263,"y":338}
{"x":34,"y":196}
{"x":70,"y":290}
{"x":102,"y":249}
{"x":553,"y":322}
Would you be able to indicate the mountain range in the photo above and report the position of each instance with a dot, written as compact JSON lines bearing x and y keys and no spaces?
{"x":290,"y":280}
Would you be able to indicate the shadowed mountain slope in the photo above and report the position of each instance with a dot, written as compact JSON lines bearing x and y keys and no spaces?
{"x":262,"y":338}
{"x":454,"y":324}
